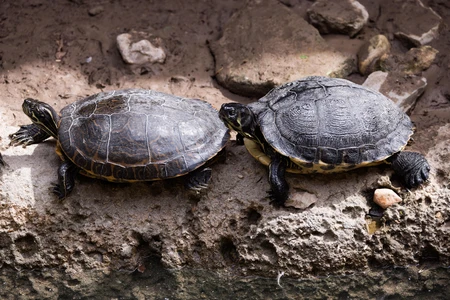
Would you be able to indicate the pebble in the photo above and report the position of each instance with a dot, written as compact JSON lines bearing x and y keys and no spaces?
{"x":385,"y":198}
{"x":96,"y":10}
{"x":140,"y":52}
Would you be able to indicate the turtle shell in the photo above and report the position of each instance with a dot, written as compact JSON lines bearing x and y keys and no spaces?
{"x":331,"y":125}
{"x":135,"y":135}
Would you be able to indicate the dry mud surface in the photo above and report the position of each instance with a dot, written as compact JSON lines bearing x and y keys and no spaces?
{"x":61,"y":51}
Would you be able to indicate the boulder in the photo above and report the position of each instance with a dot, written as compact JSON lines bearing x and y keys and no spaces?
{"x":412,"y":22}
{"x":266,"y":44}
{"x":343,"y":16}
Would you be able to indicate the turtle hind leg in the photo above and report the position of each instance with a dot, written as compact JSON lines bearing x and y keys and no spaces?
{"x":66,"y":179}
{"x":412,"y":167}
{"x":27,"y":135}
{"x":279,"y":192}
{"x":198,"y":179}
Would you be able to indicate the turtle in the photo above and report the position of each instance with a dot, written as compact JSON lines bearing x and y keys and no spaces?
{"x":324,"y":125}
{"x":128,"y":135}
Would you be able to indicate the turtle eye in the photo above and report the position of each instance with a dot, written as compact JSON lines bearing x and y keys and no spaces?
{"x":232,"y":114}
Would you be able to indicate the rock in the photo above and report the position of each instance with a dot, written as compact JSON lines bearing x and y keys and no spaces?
{"x":344,"y":16}
{"x":415,"y":23}
{"x":257,"y":51}
{"x":385,"y":198}
{"x":373,"y":225}
{"x":404,"y":90}
{"x":419,"y":59}
{"x":96,"y":10}
{"x":139,"y":52}
{"x":372,"y":54}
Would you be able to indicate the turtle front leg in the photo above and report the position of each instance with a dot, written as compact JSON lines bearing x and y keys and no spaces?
{"x":412,"y":167}
{"x":27,"y":135}
{"x":66,"y":179}
{"x":279,"y":192}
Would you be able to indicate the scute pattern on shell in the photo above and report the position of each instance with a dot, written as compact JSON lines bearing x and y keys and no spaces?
{"x":331,"y":121}
{"x":139,"y":134}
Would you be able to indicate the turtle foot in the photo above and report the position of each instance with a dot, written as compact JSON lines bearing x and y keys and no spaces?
{"x":199,"y":179}
{"x":278,"y":198}
{"x":59,"y":192}
{"x":279,"y":191}
{"x":412,"y":167}
{"x":27,"y":135}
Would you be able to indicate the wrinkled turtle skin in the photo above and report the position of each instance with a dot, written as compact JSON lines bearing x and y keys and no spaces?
{"x":325,"y":125}
{"x":128,"y":135}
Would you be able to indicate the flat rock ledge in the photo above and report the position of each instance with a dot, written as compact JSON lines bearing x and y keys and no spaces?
{"x":258,"y":52}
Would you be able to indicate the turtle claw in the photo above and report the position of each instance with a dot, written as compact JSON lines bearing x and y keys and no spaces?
{"x":277,"y":199}
{"x":418,"y":176}
{"x":27,"y":135}
{"x":198,"y":180}
{"x":21,"y":137}
{"x":412,"y":167}
{"x":58,"y":192}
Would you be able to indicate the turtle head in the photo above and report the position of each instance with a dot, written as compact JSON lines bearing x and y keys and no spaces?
{"x":42,"y":115}
{"x":240,"y":118}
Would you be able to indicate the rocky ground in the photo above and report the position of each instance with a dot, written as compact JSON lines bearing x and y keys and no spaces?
{"x":110,"y":235}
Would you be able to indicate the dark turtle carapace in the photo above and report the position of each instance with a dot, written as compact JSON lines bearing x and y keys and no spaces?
{"x":325,"y":125}
{"x":128,"y":135}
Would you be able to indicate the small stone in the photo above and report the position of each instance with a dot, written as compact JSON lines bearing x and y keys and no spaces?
{"x":372,"y":225}
{"x":419,"y":59}
{"x":345,"y":16}
{"x":96,"y":10}
{"x":140,"y":52}
{"x":385,"y":198}
{"x":372,"y":54}
{"x":240,"y":176}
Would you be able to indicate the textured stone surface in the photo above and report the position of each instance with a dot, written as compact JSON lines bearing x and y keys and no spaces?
{"x":343,"y":16}
{"x":403,"y":89}
{"x":258,"y":51}
{"x":413,"y":22}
